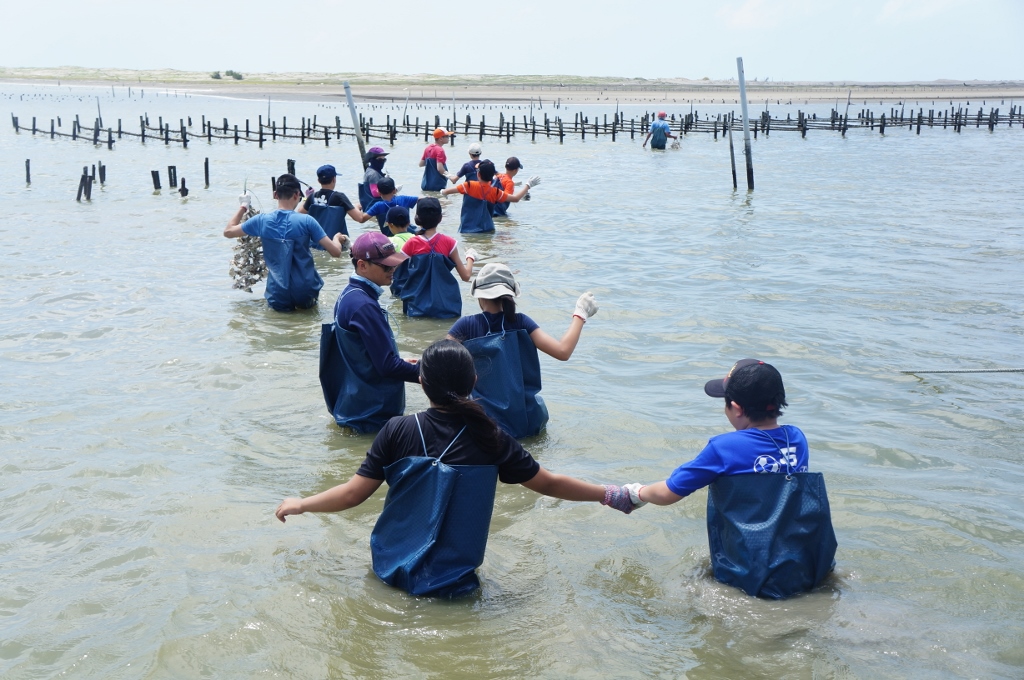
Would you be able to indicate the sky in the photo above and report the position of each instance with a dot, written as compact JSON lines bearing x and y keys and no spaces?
{"x":865,"y":40}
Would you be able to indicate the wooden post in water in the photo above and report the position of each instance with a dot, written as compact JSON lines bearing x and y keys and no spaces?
{"x":355,"y":125}
{"x":206,"y":171}
{"x":172,"y":176}
{"x":746,"y":125}
{"x":732,"y":158}
{"x":28,"y":172}
{"x":156,"y":179}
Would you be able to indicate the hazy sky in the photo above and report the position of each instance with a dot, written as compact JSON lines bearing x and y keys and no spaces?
{"x":778,"y":39}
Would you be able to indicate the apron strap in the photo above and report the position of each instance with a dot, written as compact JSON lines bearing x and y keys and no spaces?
{"x":416,"y":417}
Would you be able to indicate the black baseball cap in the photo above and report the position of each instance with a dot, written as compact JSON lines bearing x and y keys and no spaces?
{"x":716,"y":388}
{"x":513,"y":164}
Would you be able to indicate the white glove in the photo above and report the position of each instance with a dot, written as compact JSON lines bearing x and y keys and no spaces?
{"x":586,"y":306}
{"x":634,"y":494}
{"x":398,"y":189}
{"x":533,"y":181}
{"x":245,"y":199}
{"x":472,"y":254}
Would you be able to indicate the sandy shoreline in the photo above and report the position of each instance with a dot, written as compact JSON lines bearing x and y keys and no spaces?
{"x":509,"y":89}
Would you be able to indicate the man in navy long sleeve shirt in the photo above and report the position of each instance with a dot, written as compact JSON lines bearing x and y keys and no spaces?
{"x":368,"y":395}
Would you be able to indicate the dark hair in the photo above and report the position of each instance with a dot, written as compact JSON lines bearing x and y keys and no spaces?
{"x":508,"y":308}
{"x":447,"y":376}
{"x":485,"y":171}
{"x":287,"y":186}
{"x":759,"y":390}
{"x":386,"y":185}
{"x":428,"y":220}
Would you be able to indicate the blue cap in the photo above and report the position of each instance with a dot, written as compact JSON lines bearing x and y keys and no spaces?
{"x":325,"y":173}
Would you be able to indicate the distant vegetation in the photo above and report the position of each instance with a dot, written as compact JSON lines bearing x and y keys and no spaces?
{"x":234,"y":74}
{"x":215,"y":75}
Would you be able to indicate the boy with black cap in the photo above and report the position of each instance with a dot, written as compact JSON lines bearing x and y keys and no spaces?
{"x":506,"y":182}
{"x":328,"y":206}
{"x":769,"y":524}
{"x":292,"y":279}
{"x":361,"y":373}
{"x":397,"y":221}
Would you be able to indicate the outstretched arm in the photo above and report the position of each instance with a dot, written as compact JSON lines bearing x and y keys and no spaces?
{"x":342,"y":497}
{"x":564,"y":487}
{"x":559,"y":349}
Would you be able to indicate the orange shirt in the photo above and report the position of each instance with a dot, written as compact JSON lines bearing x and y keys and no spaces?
{"x":506,"y":182}
{"x":483,"y":191}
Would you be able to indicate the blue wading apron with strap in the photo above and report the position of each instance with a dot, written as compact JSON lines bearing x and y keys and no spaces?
{"x":508,"y":381}
{"x":331,"y":218}
{"x":658,"y":137}
{"x":498,"y":209}
{"x":432,"y":179}
{"x":288,"y":284}
{"x":432,"y":533}
{"x":771,"y":534}
{"x":428,"y":287}
{"x":476,"y":216}
{"x":366,"y":197}
{"x":355,"y":393}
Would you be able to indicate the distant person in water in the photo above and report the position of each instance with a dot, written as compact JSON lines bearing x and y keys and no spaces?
{"x":468,"y":169}
{"x":328,"y":206}
{"x":659,"y":133}
{"x":480,"y":194}
{"x":292,"y":279}
{"x":375,"y":159}
{"x":435,"y":162}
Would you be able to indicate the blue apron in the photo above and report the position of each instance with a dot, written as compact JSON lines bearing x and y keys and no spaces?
{"x":356,"y":394}
{"x":508,"y":381}
{"x":382,"y":217}
{"x":498,"y":209}
{"x":432,"y":533}
{"x":476,"y":216}
{"x":289,"y":285}
{"x":366,"y":199}
{"x":658,"y":137}
{"x":771,"y":534}
{"x":331,"y":218}
{"x":428,"y":287}
{"x":432,"y":179}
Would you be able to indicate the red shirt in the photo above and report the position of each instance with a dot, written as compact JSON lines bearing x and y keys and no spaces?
{"x":436,"y":152}
{"x":484,"y":191}
{"x":442,"y":243}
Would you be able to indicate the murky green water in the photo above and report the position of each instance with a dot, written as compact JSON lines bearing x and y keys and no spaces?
{"x":152,"y":417}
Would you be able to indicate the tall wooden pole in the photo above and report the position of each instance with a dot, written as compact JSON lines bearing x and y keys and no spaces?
{"x":746,"y":125}
{"x":355,"y":125}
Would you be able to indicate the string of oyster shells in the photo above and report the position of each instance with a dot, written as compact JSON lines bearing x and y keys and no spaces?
{"x":247,"y":265}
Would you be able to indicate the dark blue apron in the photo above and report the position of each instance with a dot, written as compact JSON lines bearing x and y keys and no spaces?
{"x":331,"y":218}
{"x":289,"y":285}
{"x":771,"y":534}
{"x":428,"y":287}
{"x":499,"y":209}
{"x":432,"y":533}
{"x":658,"y":137}
{"x":355,"y":393}
{"x":508,"y":381}
{"x":476,"y":216}
{"x":382,"y":218}
{"x":366,"y":199}
{"x":432,"y":179}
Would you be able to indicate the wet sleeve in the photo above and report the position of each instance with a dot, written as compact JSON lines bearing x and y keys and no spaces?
{"x":698,"y":473}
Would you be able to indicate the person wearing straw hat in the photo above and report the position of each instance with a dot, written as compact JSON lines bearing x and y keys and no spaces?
{"x":507,"y":342}
{"x":435,"y":162}
{"x":361,"y":372}
{"x":768,"y":518}
{"x":659,"y":133}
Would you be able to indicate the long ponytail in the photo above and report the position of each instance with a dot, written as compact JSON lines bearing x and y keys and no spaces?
{"x":447,"y":376}
{"x":508,"y":308}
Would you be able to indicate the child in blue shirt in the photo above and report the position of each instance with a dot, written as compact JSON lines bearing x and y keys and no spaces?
{"x":770,"y":538}
{"x":388,"y":199}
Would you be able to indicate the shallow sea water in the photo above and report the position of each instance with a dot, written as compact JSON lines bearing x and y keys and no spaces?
{"x":152,"y":417}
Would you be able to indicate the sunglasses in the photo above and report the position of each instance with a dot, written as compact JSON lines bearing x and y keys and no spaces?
{"x":387,"y":268}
